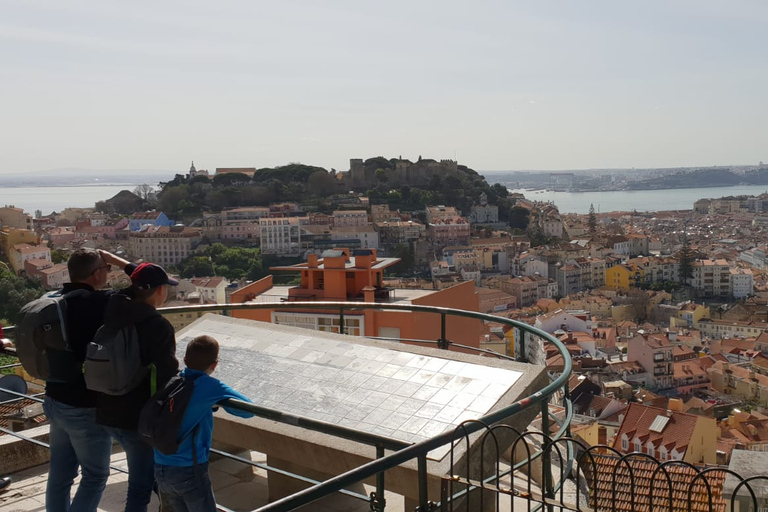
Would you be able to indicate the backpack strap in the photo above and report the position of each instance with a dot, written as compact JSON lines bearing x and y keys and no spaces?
{"x":152,"y":379}
{"x":194,"y":444}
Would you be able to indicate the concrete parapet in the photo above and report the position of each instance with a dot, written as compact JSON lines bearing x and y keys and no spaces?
{"x":17,"y":454}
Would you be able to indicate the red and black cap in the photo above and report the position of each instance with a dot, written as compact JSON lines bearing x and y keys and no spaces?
{"x":149,"y":275}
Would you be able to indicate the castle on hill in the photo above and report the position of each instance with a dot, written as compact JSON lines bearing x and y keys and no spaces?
{"x":398,"y":172}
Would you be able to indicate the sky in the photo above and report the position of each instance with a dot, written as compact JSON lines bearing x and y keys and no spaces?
{"x":497,"y":85}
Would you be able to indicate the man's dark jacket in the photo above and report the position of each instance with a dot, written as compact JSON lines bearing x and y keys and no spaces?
{"x":85,"y":314}
{"x":157,"y":345}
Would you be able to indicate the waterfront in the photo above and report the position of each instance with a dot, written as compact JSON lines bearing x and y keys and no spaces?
{"x":50,"y":199}
{"x":640,"y":200}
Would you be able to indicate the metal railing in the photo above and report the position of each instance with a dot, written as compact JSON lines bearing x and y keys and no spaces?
{"x":405,"y":452}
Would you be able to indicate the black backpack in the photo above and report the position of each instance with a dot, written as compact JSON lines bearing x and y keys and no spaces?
{"x":161,"y":417}
{"x":42,"y":339}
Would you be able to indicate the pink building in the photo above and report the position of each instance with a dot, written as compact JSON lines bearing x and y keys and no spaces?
{"x":654,"y":353}
{"x":54,"y":277}
{"x":61,"y":236}
{"x":449,"y":231}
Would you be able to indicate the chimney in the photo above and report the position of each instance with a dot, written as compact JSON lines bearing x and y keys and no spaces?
{"x":312,"y":260}
{"x":675,"y":405}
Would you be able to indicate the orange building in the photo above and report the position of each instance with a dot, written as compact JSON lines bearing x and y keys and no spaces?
{"x":358,"y":276}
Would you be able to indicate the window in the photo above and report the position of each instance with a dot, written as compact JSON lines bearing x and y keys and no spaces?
{"x":624,"y":442}
{"x":638,"y":446}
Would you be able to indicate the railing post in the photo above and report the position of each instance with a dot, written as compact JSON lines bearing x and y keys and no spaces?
{"x":342,"y":329}
{"x":378,"y":503}
{"x":423,"y":492}
{"x":546,"y":455}
{"x":443,"y":341}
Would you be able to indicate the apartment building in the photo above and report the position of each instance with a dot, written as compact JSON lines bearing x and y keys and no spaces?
{"x":350,"y":218}
{"x":623,"y":276}
{"x":742,"y":283}
{"x":528,"y":289}
{"x":164,"y":245}
{"x":448,"y":231}
{"x":280,"y":235}
{"x":396,"y":232}
{"x":435,"y":213}
{"x":366,"y":235}
{"x":656,"y":269}
{"x":570,"y":278}
{"x":712,"y":278}
{"x":20,"y":253}
{"x":654,"y":353}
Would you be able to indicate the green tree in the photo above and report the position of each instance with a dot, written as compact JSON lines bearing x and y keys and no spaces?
{"x":685,"y":259}
{"x":519,"y":217}
{"x":171,"y":196}
{"x":407,"y":261}
{"x":592,"y":220}
{"x":500,"y":191}
{"x":59,"y":256}
{"x":196,"y":266}
{"x":220,"y":260}
{"x":14,"y":293}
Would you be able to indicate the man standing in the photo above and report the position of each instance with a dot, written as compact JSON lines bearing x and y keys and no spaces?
{"x":75,"y":438}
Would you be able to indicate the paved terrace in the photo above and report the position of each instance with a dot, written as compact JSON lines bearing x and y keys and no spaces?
{"x":237,"y":486}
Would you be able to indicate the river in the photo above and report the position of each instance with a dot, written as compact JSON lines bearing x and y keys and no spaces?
{"x":640,"y":200}
{"x":57,"y":198}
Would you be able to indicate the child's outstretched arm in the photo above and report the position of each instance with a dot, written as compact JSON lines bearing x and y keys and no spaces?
{"x":227,"y":392}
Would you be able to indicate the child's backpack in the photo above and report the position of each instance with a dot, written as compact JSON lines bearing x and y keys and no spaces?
{"x":113,"y":361}
{"x":161,"y":417}
{"x":42,"y":338}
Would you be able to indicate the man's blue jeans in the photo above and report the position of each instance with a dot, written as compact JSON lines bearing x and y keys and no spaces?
{"x":76,"y":440}
{"x":186,"y":488}
{"x":141,"y":466}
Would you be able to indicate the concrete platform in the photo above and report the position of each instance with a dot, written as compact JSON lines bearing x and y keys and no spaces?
{"x":401,"y":391}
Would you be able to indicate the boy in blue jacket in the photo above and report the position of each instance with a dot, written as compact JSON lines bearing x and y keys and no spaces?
{"x":182,"y":484}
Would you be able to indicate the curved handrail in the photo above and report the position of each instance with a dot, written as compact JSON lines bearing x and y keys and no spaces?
{"x":416,"y":450}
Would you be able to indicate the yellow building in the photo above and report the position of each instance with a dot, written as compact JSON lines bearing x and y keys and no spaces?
{"x":12,"y":236}
{"x":623,"y":276}
{"x":689,"y":316}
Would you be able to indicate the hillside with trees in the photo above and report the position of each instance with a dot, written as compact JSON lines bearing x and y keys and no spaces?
{"x":316,"y":186}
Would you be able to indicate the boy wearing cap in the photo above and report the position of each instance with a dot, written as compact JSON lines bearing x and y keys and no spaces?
{"x":137,"y":306}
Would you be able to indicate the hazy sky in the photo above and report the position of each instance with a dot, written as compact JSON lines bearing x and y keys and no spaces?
{"x":498,"y":85}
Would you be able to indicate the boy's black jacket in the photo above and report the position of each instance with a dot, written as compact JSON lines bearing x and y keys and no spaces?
{"x":157,"y":344}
